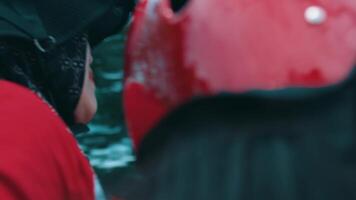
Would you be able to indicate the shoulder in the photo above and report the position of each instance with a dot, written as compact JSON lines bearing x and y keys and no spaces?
{"x":23,"y":110}
{"x":36,"y":145}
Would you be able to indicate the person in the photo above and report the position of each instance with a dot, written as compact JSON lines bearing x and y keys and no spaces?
{"x":48,"y":93}
{"x":242,"y":100}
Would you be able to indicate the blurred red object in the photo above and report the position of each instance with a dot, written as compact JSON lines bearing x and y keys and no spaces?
{"x":210,"y":47}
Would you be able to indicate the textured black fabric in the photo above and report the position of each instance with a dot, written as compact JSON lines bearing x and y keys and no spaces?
{"x":65,"y":69}
{"x":20,"y":64}
{"x":56,"y":76}
{"x":255,"y":146}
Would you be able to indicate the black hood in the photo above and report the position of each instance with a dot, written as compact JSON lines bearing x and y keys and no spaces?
{"x":56,"y":76}
{"x":62,"y":19}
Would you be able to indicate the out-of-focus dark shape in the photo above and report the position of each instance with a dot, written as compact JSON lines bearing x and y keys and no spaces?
{"x":282,"y":145}
{"x":177,"y":5}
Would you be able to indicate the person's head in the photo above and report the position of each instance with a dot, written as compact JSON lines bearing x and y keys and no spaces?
{"x":71,"y":84}
{"x":172,"y":62}
{"x":62,"y":76}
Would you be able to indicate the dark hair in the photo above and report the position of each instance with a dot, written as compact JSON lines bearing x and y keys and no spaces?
{"x":259,"y":145}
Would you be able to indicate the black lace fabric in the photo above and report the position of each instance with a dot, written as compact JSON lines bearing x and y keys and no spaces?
{"x":57,"y":76}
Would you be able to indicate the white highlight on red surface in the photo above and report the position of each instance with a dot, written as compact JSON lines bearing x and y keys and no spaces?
{"x":315,"y":15}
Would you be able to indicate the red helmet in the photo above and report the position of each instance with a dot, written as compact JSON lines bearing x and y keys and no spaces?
{"x":208,"y":47}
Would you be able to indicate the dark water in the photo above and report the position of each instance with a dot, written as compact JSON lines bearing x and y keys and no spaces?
{"x":107,"y":145}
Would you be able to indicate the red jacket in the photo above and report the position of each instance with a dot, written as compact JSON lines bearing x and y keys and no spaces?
{"x":39,"y":158}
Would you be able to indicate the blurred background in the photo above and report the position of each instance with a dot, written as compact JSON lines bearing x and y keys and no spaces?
{"x":107,"y":145}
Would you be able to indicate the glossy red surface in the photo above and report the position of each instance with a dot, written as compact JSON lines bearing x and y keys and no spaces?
{"x":232,"y":46}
